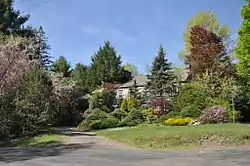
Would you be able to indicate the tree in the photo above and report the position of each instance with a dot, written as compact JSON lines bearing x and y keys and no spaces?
{"x":61,"y":65}
{"x":161,"y":79}
{"x":133,"y":91}
{"x":79,"y":73}
{"x":14,"y":62}
{"x":209,"y":21}
{"x":11,"y":21}
{"x":131,"y":68}
{"x":106,"y":67}
{"x":242,"y":50}
{"x":40,"y":44}
{"x":207,"y":52}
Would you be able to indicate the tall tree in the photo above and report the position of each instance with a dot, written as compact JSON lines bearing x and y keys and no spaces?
{"x":133,"y":91}
{"x":161,"y":77}
{"x":61,"y":65}
{"x":209,"y":21}
{"x":41,"y":47}
{"x":131,"y":68}
{"x":243,"y":48}
{"x":207,"y":52}
{"x":79,"y":74}
{"x":11,"y":21}
{"x":106,"y":66}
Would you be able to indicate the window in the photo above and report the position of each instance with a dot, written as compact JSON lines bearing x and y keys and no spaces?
{"x":120,"y":94}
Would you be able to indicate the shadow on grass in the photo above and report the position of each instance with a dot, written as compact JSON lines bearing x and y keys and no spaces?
{"x":12,"y":154}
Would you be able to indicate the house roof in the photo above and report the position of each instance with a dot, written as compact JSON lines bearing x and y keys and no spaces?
{"x":141,"y":80}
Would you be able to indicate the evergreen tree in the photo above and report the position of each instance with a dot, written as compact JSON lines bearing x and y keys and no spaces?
{"x":41,"y":47}
{"x":133,"y":91}
{"x":61,"y":66}
{"x":106,"y":67}
{"x":161,"y":79}
{"x":11,"y":21}
{"x":243,"y":47}
{"x":80,"y":74}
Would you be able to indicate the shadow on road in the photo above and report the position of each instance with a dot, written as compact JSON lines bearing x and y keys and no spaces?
{"x":21,"y":154}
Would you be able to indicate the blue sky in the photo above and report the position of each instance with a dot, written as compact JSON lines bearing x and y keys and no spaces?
{"x":136,"y":28}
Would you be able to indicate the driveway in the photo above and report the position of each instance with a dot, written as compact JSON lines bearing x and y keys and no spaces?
{"x":90,"y":150}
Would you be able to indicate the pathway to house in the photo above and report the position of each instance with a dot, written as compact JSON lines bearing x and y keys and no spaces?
{"x":85,"y":149}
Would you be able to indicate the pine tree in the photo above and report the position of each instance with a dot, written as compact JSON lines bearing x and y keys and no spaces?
{"x":133,"y":91}
{"x":11,"y":21}
{"x":243,"y":48}
{"x":80,"y":74}
{"x":41,"y":47}
{"x":161,"y":79}
{"x":106,"y":67}
{"x":61,"y":65}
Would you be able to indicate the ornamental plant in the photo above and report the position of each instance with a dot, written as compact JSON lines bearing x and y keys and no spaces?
{"x":215,"y":114}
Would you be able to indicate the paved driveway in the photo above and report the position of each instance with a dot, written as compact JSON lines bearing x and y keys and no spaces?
{"x":86,"y":150}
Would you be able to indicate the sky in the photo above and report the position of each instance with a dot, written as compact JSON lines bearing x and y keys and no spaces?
{"x":136,"y":28}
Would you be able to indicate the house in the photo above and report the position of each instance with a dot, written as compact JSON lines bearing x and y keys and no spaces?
{"x":123,"y":90}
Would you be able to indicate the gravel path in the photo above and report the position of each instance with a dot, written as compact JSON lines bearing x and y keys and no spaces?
{"x":82,"y":149}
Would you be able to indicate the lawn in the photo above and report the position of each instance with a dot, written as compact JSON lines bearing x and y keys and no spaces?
{"x":171,"y":137}
{"x":36,"y":141}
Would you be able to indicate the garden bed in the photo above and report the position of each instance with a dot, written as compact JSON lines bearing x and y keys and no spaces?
{"x":181,"y":137}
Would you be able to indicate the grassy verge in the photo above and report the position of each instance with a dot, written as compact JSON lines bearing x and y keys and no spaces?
{"x":36,"y":141}
{"x":164,"y":137}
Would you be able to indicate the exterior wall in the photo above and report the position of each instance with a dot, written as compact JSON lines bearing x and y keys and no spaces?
{"x":122,"y":93}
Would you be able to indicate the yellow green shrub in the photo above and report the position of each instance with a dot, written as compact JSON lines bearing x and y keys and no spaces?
{"x":177,"y":121}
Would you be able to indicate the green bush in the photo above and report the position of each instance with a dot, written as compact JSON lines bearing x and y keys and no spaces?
{"x":119,"y":114}
{"x":172,"y":114}
{"x":110,"y":122}
{"x":149,"y":115}
{"x":177,"y":121}
{"x":192,"y":99}
{"x":129,"y":103}
{"x":134,"y":118}
{"x":191,"y":111}
{"x":97,"y":114}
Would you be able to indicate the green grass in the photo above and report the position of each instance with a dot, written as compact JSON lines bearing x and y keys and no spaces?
{"x":36,"y":141}
{"x":171,"y":137}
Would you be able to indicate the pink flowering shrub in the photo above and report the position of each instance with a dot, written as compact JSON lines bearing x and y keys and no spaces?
{"x":215,"y":114}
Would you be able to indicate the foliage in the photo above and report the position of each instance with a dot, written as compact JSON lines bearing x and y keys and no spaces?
{"x":149,"y":115}
{"x":133,"y":91}
{"x":172,"y":114}
{"x":11,"y":21}
{"x":131,"y":68}
{"x":161,"y":78}
{"x":163,"y":106}
{"x":134,"y":118}
{"x":177,"y":121}
{"x":209,"y":21}
{"x":242,"y":50}
{"x":129,"y":103}
{"x":39,"y":41}
{"x":207,"y":53}
{"x":119,"y":114}
{"x":193,"y":96}
{"x":106,"y":67}
{"x":79,"y":74}
{"x":69,"y":100}
{"x":14,"y":62}
{"x":215,"y":114}
{"x":103,"y":98}
{"x":110,"y":122}
{"x":33,"y":103}
{"x":61,"y":66}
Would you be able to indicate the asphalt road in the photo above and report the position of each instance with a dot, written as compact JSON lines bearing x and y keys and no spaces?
{"x":84,"y":149}
{"x":93,"y":155}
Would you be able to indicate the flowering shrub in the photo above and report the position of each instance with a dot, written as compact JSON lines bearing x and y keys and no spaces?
{"x":177,"y":121}
{"x":215,"y":114}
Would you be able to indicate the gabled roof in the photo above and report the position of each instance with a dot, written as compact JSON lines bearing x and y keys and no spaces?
{"x":141,"y":80}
